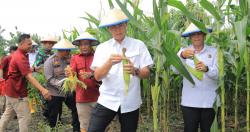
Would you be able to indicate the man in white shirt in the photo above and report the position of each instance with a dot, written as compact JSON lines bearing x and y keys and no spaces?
{"x":108,"y":68}
{"x":197,"y":100}
{"x":32,"y":53}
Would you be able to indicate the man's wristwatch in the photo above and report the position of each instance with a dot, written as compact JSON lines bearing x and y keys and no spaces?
{"x":137,"y":72}
{"x":207,"y":69}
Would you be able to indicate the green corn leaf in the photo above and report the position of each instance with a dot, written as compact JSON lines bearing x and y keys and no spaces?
{"x":156,"y":14}
{"x":210,"y":8}
{"x":176,"y":62}
{"x":179,"y":5}
{"x":111,"y":5}
{"x":194,"y":72}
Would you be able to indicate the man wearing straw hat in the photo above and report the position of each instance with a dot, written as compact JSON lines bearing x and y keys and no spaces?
{"x":80,"y":64}
{"x":108,"y":67}
{"x":54,"y":72}
{"x":16,"y":86}
{"x":43,"y":54}
{"x":197,"y":100}
{"x":46,"y":51}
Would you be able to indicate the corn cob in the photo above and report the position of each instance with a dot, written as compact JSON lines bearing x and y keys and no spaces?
{"x":193,"y":71}
{"x":126,"y":75}
{"x":71,"y":82}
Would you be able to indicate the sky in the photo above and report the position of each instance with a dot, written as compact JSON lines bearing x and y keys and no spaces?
{"x":51,"y":16}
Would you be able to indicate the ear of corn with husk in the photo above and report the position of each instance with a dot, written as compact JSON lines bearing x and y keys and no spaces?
{"x":198,"y":74}
{"x":126,"y":75}
{"x":72,"y":81}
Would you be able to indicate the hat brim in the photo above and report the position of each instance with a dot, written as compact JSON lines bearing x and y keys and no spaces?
{"x":196,"y":31}
{"x":64,"y":48}
{"x":42,"y":41}
{"x":115,"y":23}
{"x":93,"y":43}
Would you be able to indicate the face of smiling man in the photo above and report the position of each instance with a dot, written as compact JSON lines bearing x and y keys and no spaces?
{"x":118,"y":32}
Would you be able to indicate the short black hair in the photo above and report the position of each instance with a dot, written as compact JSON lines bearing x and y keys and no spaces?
{"x":13,"y":48}
{"x":23,"y":37}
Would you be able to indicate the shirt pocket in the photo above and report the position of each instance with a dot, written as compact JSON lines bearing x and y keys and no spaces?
{"x":80,"y":66}
{"x":133,"y":56}
{"x":208,"y":60}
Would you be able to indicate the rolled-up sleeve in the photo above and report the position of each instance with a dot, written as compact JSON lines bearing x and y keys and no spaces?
{"x":98,"y":58}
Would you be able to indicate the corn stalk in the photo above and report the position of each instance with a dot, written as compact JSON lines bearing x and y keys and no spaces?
{"x":221,"y":85}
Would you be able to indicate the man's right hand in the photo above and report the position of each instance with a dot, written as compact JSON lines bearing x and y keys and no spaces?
{"x":46,"y":94}
{"x":115,"y":58}
{"x":187,"y":53}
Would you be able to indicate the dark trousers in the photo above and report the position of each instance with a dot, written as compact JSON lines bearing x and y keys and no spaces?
{"x":102,"y":116}
{"x":197,"y":117}
{"x":55,"y":111}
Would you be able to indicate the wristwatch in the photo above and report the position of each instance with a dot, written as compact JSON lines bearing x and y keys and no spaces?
{"x":137,"y":71}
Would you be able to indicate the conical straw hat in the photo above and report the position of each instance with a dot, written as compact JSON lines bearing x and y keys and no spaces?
{"x":113,"y":17}
{"x":193,"y":29}
{"x":86,"y":36}
{"x":64,"y":44}
{"x":49,"y":38}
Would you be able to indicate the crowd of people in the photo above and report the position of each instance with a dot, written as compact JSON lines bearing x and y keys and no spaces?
{"x":102,"y":70}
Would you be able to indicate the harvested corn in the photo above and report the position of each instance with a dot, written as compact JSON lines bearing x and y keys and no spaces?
{"x":126,"y":75}
{"x":198,"y":74}
{"x":72,"y":81}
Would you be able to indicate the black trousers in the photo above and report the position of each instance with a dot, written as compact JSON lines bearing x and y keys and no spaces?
{"x":55,"y":111}
{"x":197,"y":117}
{"x":102,"y":116}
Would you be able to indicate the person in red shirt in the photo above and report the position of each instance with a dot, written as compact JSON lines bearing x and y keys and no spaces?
{"x":5,"y":63}
{"x":80,"y":64}
{"x":3,"y":75}
{"x":16,"y":86}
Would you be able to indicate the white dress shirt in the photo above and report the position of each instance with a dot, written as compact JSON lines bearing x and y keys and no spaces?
{"x":203,"y":93}
{"x":32,"y":58}
{"x":112,"y":93}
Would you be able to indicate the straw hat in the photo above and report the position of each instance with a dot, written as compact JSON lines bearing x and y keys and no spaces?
{"x":86,"y":36}
{"x":64,"y":44}
{"x":193,"y":29}
{"x":34,"y":43}
{"x":112,"y":18}
{"x":48,"y":38}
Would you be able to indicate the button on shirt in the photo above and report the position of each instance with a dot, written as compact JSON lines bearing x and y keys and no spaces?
{"x":112,"y":93}
{"x":203,"y":93}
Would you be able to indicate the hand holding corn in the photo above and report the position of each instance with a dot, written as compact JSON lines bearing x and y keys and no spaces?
{"x":200,"y":66}
{"x":126,"y":70}
{"x":188,"y":53}
{"x":85,"y":75}
{"x":71,"y":81}
{"x":46,"y":94}
{"x":115,"y":58}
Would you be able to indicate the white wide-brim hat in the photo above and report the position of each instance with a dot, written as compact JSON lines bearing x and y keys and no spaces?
{"x":86,"y":36}
{"x":193,"y":29}
{"x":63,"y":44}
{"x":34,"y":43}
{"x":49,"y":38}
{"x":112,"y":18}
